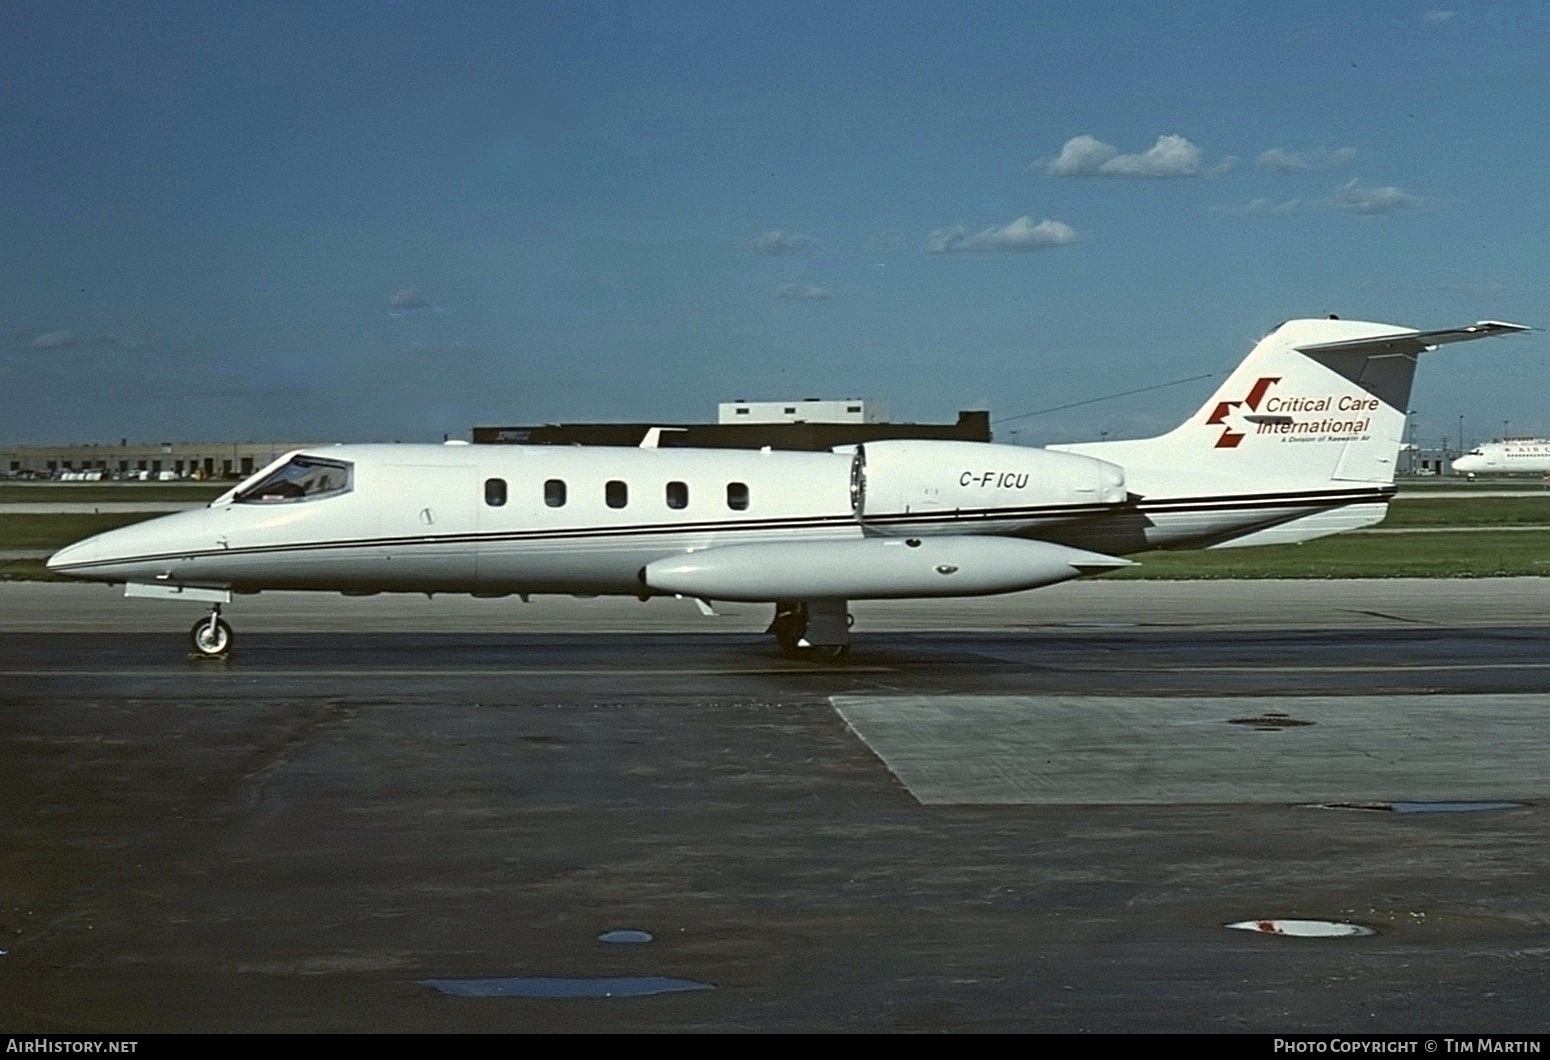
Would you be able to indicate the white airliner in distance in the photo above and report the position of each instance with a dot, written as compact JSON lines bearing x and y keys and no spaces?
{"x":1513,"y":455}
{"x":1299,"y":442}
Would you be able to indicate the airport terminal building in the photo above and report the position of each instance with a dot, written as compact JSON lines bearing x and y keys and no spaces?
{"x":161,"y":461}
{"x":812,"y":424}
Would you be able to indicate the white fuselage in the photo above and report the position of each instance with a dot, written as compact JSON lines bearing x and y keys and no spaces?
{"x":420,"y":517}
{"x":590,"y":520}
{"x":1522,"y":455}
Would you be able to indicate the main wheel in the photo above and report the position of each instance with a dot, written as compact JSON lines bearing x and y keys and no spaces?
{"x":790,"y":628}
{"x":819,"y":652}
{"x":211,"y":640}
{"x":789,"y":624}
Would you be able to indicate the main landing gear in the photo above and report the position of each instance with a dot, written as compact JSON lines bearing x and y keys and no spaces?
{"x":815,"y":630}
{"x":211,"y":636}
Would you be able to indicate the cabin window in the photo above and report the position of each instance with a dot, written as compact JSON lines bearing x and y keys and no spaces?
{"x":495,"y":492}
{"x":301,"y":478}
{"x":616,"y":493}
{"x":554,"y":493}
{"x":677,"y":495}
{"x":737,"y":496}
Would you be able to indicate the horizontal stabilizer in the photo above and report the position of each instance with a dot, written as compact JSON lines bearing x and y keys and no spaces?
{"x":1414,"y":342}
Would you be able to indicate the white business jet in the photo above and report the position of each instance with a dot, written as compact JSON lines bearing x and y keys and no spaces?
{"x":1514,"y":455}
{"x":1299,"y":442}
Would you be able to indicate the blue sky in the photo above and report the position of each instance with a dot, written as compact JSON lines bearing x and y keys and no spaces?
{"x":369,"y":220}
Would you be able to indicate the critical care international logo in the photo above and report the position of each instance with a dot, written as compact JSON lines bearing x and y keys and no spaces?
{"x":1230,"y":438}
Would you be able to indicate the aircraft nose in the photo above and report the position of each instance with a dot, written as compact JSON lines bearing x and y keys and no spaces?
{"x":138,"y":552}
{"x":73,"y":556}
{"x":101,"y":555}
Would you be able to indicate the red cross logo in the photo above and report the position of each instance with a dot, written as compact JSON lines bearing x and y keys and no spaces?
{"x":1230,"y":438}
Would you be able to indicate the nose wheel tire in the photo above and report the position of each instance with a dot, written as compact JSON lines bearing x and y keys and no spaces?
{"x":211,"y":638}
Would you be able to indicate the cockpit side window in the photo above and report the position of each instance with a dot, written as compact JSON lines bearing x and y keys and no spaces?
{"x":302,"y":478}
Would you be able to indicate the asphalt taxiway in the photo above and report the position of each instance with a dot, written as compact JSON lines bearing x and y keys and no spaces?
{"x":1031,"y":813}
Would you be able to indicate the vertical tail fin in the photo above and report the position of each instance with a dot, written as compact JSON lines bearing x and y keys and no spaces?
{"x":1316,"y":401}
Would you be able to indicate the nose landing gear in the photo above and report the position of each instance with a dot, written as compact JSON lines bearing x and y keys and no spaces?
{"x":211,"y":636}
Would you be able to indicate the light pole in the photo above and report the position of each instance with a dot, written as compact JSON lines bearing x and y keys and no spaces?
{"x":1461,"y":433}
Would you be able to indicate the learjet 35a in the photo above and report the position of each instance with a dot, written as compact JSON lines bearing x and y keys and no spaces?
{"x":1299,"y":442}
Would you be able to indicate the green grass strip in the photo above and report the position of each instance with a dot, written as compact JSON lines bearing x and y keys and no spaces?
{"x":1528,"y":510}
{"x":98,"y":493}
{"x":56,"y":530}
{"x":1478,"y":554}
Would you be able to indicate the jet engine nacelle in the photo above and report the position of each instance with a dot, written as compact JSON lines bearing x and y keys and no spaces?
{"x":876,"y":568}
{"x":909,"y":477}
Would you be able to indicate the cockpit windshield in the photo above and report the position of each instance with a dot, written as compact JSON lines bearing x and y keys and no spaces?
{"x":301,"y":478}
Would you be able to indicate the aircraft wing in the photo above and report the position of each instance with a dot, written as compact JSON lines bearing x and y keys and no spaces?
{"x":1413,"y":342}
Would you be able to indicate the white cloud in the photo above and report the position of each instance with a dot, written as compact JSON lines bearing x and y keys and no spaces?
{"x":1170,"y":156}
{"x":1081,"y":157}
{"x":1261,"y":208}
{"x":408,"y":298}
{"x":1021,"y":234}
{"x":1087,"y":156}
{"x":1354,"y":197}
{"x":58,"y":339}
{"x":1438,"y":18}
{"x":801,"y":292}
{"x":777,"y":242}
{"x":886,"y":239}
{"x":1284,"y":161}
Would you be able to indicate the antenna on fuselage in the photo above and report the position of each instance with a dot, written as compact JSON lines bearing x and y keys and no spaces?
{"x":653,"y":439}
{"x":1106,"y":397}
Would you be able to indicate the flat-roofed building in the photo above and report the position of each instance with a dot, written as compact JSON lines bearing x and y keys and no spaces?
{"x":808,"y":410}
{"x":739,"y":433}
{"x":160,"y":460}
